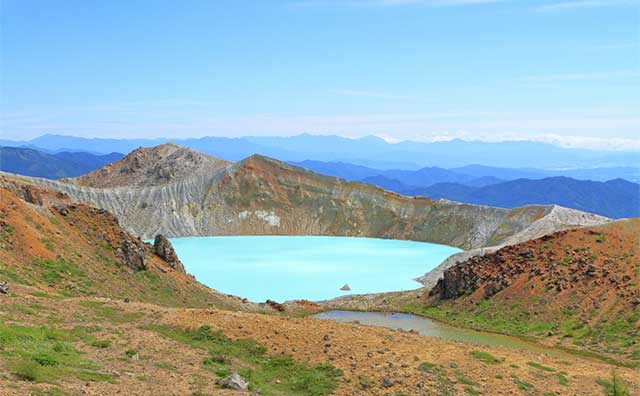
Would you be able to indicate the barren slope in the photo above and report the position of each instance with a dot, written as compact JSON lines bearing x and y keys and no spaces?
{"x":578,"y":288}
{"x":50,"y":243}
{"x":153,"y":166}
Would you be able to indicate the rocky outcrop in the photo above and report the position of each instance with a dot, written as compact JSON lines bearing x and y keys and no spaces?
{"x":153,"y":166}
{"x":557,"y":219}
{"x":31,"y":195}
{"x":162,"y":248}
{"x":235,"y":382}
{"x":132,"y":254}
{"x":555,"y":262}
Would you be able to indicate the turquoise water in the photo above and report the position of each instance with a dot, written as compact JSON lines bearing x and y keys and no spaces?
{"x":284,"y":268}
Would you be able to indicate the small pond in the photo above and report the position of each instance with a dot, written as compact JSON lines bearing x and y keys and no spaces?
{"x":428,"y":327}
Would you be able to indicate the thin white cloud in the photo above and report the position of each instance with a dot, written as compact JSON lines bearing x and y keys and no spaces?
{"x":580,"y":4}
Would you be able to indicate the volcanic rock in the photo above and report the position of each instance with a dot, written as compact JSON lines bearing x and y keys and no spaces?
{"x":162,"y":248}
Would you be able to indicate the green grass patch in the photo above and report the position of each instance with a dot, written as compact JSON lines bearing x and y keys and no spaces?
{"x":615,"y":386}
{"x":44,"y":354}
{"x":471,"y":391}
{"x":165,"y":365}
{"x":11,"y":275}
{"x":54,"y":271}
{"x":524,"y":385}
{"x":110,"y":313}
{"x":562,"y":378}
{"x":46,"y":295}
{"x":101,"y":344}
{"x":541,"y":367}
{"x":272,"y":375}
{"x":487,"y":315}
{"x":486,"y":357}
{"x":464,"y":379}
{"x":427,"y":367}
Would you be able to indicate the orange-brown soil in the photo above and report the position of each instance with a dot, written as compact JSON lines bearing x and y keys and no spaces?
{"x":366,"y":355}
{"x":583,"y":283}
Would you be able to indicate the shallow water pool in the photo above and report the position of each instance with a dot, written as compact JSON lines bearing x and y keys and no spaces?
{"x":432,"y":328}
{"x":307,"y":267}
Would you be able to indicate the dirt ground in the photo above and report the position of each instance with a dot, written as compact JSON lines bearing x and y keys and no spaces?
{"x":367,"y":355}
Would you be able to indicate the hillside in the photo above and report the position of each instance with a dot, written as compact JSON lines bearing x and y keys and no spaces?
{"x":151,"y":167}
{"x":264,"y":196}
{"x":614,"y":198}
{"x":82,"y":316}
{"x":29,"y":162}
{"x":49,"y":243}
{"x":579,"y":289}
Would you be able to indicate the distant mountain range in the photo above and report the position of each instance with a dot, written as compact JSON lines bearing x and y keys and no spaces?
{"x":470,"y":175}
{"x":484,"y":185}
{"x":475,"y":184}
{"x":32,"y":162}
{"x":369,"y":151}
{"x":615,"y":198}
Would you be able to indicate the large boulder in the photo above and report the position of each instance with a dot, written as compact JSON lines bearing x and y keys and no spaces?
{"x":162,"y":248}
{"x":132,"y":253}
{"x":235,"y":382}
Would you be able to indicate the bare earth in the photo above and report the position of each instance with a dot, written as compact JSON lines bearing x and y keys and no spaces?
{"x":367,"y":355}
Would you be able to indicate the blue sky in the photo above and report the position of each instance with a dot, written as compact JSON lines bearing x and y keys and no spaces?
{"x":556,"y":70}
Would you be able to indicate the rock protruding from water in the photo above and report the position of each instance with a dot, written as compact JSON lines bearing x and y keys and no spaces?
{"x":235,"y":382}
{"x":162,"y":248}
{"x":345,"y":287}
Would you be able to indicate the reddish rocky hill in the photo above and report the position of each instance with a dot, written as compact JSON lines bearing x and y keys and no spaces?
{"x":49,"y":243}
{"x":578,"y":288}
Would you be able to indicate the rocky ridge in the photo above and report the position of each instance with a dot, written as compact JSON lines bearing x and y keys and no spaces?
{"x":264,"y":196}
{"x":154,"y":166}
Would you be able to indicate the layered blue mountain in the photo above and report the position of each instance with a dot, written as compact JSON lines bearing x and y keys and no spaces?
{"x":470,"y":175}
{"x":30,"y":162}
{"x":480,"y":185}
{"x":614,"y":198}
{"x":368,"y":151}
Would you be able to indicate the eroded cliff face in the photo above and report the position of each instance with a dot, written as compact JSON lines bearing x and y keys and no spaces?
{"x":262,"y":196}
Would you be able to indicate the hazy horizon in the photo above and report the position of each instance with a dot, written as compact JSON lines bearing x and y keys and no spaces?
{"x":554,"y":142}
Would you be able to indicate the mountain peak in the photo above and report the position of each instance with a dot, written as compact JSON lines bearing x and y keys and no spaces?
{"x":152,"y":166}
